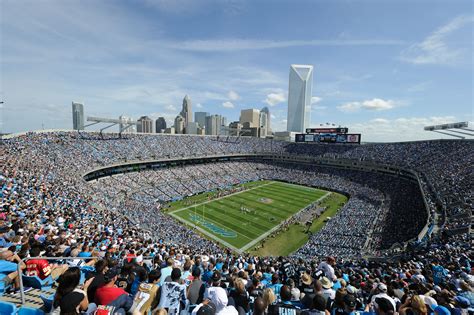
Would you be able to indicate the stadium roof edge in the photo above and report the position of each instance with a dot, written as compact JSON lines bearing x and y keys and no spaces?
{"x":17,"y":134}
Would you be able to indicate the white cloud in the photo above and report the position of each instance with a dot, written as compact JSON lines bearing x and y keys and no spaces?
{"x":275,"y":98}
{"x":380,"y":121}
{"x":233,"y":96}
{"x":319,"y":107}
{"x":375,"y":104}
{"x":228,"y":105}
{"x":378,"y":104}
{"x":400,"y":129}
{"x":171,"y":108}
{"x":316,"y":99}
{"x":236,"y":44}
{"x":434,"y":49}
{"x":198,"y":105}
{"x":349,"y":107}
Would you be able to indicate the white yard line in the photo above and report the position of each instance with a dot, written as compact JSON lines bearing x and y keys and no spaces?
{"x":223,"y":197}
{"x":264,"y":235}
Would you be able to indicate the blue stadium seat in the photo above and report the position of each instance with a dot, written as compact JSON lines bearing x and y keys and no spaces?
{"x":47,"y":302}
{"x":29,"y":311}
{"x":36,"y":283}
{"x":7,"y":308}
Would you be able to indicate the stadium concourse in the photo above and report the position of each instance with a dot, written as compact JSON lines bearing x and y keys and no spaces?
{"x":124,"y":255}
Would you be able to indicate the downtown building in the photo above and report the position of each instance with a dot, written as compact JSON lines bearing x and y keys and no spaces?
{"x":160,"y":125}
{"x":200,"y":118}
{"x":299,"y":98}
{"x":145,"y":125}
{"x":77,"y":116}
{"x":186,"y":113}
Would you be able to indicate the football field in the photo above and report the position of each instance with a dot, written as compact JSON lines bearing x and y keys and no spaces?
{"x":242,"y":219}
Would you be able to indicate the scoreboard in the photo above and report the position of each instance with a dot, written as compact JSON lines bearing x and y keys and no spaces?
{"x":329,"y":138}
{"x":328,"y":135}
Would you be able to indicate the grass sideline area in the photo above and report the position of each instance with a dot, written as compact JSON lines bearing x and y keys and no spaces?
{"x":289,"y":241}
{"x":242,"y":219}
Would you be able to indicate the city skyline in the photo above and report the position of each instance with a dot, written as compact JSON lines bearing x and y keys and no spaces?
{"x":380,"y":70}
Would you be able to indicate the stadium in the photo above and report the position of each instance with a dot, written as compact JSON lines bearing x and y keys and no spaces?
{"x":368,"y":219}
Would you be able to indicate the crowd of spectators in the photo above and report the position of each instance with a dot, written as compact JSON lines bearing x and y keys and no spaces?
{"x":143,"y":260}
{"x":443,"y":167}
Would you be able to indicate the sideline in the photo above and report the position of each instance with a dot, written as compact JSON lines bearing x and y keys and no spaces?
{"x":264,"y":235}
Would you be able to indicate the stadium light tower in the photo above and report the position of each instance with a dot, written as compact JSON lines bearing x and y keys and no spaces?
{"x":453,"y":129}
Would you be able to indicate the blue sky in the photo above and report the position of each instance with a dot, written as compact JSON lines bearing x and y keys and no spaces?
{"x":383,"y":68}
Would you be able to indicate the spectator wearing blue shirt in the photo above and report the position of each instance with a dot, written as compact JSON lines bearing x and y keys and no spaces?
{"x":9,"y":269}
{"x":85,"y":251}
{"x":4,"y":242}
{"x":166,"y":271}
{"x":439,"y":273}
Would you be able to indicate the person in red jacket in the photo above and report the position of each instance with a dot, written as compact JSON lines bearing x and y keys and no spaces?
{"x":111,"y":295}
{"x":41,"y":267}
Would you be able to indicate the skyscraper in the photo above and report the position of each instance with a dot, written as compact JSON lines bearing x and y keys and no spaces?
{"x":186,"y":111}
{"x":251,"y":116}
{"x":267,"y":111}
{"x":160,"y":125}
{"x":179,"y":124}
{"x":200,"y":118}
{"x":192,"y":128}
{"x":299,"y":97}
{"x":77,"y":116}
{"x":145,"y":124}
{"x":222,"y":127}
{"x":213,"y":124}
{"x":263,"y":124}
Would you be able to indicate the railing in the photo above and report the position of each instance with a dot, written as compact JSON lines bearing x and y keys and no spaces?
{"x":20,"y":273}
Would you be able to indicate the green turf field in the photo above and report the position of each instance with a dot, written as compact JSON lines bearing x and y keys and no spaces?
{"x":242,"y":219}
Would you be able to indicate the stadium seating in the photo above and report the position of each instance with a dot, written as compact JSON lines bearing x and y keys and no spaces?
{"x":119,"y":221}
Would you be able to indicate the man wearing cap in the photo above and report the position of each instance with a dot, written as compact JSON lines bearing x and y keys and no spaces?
{"x":381,"y":292}
{"x":111,"y":295}
{"x":350,"y":303}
